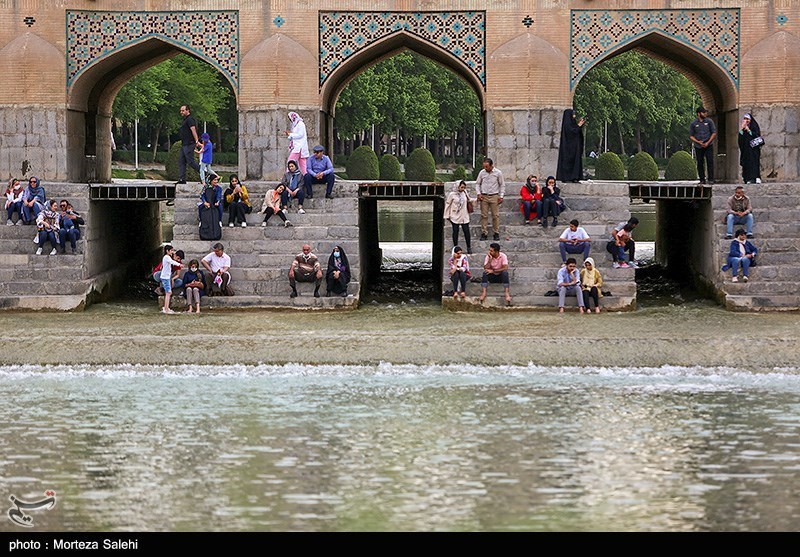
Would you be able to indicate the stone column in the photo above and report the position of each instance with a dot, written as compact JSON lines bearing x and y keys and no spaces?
{"x":523,"y":141}
{"x":263,"y":145}
{"x":32,"y":142}
{"x":780,"y":155}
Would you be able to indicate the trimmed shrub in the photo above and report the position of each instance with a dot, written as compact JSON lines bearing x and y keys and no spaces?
{"x":643,"y":168}
{"x":140,"y":174}
{"x":681,"y":166}
{"x":339,"y":160}
{"x":609,"y":167}
{"x":171,"y":165}
{"x":460,"y":173}
{"x":363,"y":164}
{"x":390,"y":168}
{"x":420,"y":166}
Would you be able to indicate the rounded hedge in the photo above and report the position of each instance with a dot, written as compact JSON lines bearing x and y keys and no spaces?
{"x":460,"y":173}
{"x":681,"y":166}
{"x":643,"y":168}
{"x":390,"y":168}
{"x":171,"y":165}
{"x":420,"y":166}
{"x":609,"y":167}
{"x":363,"y":164}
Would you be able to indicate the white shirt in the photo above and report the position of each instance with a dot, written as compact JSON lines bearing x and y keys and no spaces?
{"x":299,"y":139}
{"x":218,"y":263}
{"x":490,"y":183}
{"x":579,"y":234}
{"x":166,"y":266}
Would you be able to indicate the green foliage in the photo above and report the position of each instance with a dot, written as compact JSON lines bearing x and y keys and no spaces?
{"x":390,"y":168}
{"x":476,"y":171}
{"x":420,"y":166}
{"x":341,"y":160}
{"x":410,"y":92}
{"x":642,"y":167}
{"x":642,"y":99}
{"x":609,"y":167}
{"x":681,"y":166}
{"x":363,"y":164}
{"x":171,"y":165}
{"x":460,"y":173}
{"x":140,"y":174}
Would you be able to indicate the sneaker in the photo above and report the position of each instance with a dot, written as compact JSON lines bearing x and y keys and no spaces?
{"x":36,"y":239}
{"x":496,"y":236}
{"x":624,"y":266}
{"x":20,"y":223}
{"x":484,"y":237}
{"x":746,"y":278}
{"x":555,"y":223}
{"x":527,"y":222}
{"x":758,"y":180}
{"x":328,"y":196}
{"x":287,"y":224}
{"x":728,"y":236}
{"x":39,"y":251}
{"x":244,"y":225}
{"x":750,"y":235}
{"x":167,"y":311}
{"x":230,"y":225}
{"x":9,"y":222}
{"x":633,"y":264}
{"x":544,"y":223}
{"x":263,"y":224}
{"x":220,"y":224}
{"x":300,"y":211}
{"x":615,"y":265}
{"x":735,"y":279}
{"x":53,"y":251}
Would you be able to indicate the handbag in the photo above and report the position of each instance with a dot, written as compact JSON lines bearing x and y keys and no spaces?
{"x":470,"y":207}
{"x":756,"y":142}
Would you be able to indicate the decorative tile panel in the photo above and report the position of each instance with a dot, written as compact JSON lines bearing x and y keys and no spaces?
{"x":462,"y":34}
{"x":594,"y":34}
{"x":210,"y":35}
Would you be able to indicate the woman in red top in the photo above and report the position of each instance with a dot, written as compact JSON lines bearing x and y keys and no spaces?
{"x":531,"y":203}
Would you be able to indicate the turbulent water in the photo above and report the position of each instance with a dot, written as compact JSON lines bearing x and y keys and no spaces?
{"x":408,"y":447}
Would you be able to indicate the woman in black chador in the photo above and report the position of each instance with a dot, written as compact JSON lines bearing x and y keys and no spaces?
{"x":570,"y":151}
{"x":338,"y":273}
{"x":749,"y":154}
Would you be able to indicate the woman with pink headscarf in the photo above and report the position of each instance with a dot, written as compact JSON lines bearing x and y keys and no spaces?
{"x":298,"y":142}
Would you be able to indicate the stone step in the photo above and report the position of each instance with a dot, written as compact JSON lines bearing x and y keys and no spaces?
{"x":747,"y":302}
{"x":765,"y":229}
{"x":763,"y":273}
{"x":548,"y":274}
{"x":317,"y":203}
{"x":275,"y":232}
{"x":545,"y":303}
{"x":25,"y":246}
{"x":278,"y":285}
{"x":304,"y":301}
{"x":240,"y":248}
{"x":47,"y":287}
{"x":764,"y":257}
{"x":758,"y":201}
{"x":20,"y":274}
{"x":31,"y":260}
{"x":43,"y":302}
{"x":538,"y":288}
{"x":254,"y":220}
{"x":782,"y":214}
{"x":759,"y":287}
{"x":545,"y":259}
{"x":22,"y":232}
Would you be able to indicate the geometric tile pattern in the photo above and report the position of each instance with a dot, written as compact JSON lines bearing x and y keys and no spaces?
{"x":462,"y":34}
{"x":712,"y":32}
{"x":210,"y":35}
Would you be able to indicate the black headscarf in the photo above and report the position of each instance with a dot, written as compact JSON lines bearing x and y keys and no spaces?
{"x":570,"y":150}
{"x":343,"y":260}
{"x":532,"y":188}
{"x":754,"y":127}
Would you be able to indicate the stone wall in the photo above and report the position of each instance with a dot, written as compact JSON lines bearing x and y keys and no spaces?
{"x":780,"y":155}
{"x":523,"y":142}
{"x":33,"y":142}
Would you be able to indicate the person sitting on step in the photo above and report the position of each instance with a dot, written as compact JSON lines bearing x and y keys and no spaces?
{"x":47,"y":225}
{"x":319,"y":171}
{"x":591,"y":284}
{"x":338,"y":273}
{"x":625,"y":242}
{"x":552,"y":204}
{"x":33,"y":200}
{"x":305,"y":268}
{"x":211,"y":196}
{"x":238,"y":202}
{"x":531,"y":199}
{"x":70,"y":226}
{"x":273,"y":205}
{"x":740,"y":211}
{"x":218,"y":263}
{"x":574,"y":240}
{"x":14,"y":194}
{"x":495,"y":270}
{"x":293,"y":186}
{"x":742,"y":254}
{"x":194,"y":285}
{"x":569,"y":282}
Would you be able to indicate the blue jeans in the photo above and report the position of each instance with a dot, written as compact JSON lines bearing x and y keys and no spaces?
{"x":205,"y":168}
{"x":529,"y":207}
{"x":47,"y":236}
{"x":566,"y":248}
{"x":15,"y":207}
{"x":286,"y":196}
{"x":30,"y":213}
{"x":72,"y":234}
{"x":310,"y":179}
{"x":747,"y":220}
{"x":564,"y":290}
{"x":177,"y":283}
{"x":495,"y":279}
{"x":735,"y":262}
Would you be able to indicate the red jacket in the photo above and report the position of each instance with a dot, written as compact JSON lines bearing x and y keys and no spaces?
{"x":526,"y":195}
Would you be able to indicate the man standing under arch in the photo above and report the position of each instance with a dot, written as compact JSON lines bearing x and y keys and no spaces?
{"x":189,"y":140}
{"x":703,"y":132}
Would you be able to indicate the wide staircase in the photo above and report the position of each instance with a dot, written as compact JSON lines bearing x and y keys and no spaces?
{"x":533,"y":254}
{"x":30,"y":281}
{"x":773,"y":283}
{"x":261,"y":257}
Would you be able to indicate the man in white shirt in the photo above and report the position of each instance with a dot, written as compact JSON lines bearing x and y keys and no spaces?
{"x":574,"y":240}
{"x":218,"y":263}
{"x":491,"y":188}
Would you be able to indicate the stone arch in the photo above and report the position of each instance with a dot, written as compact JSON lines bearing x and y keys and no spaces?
{"x":532,"y":62}
{"x":90,"y":97}
{"x":36,"y":68}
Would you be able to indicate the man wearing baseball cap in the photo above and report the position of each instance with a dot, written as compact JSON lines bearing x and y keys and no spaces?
{"x":703,"y":132}
{"x":320,"y":171}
